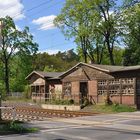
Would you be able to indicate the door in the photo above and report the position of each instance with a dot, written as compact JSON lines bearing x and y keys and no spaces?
{"x":83,"y":91}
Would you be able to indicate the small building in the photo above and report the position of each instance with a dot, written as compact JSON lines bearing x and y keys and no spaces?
{"x":44,"y":85}
{"x":96,"y":81}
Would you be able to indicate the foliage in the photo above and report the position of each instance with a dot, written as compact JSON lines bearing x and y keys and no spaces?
{"x":92,"y":25}
{"x":27,"y":93}
{"x":20,"y":67}
{"x":49,"y":69}
{"x":13,"y":41}
{"x":102,"y":108}
{"x":132,"y":35}
{"x":122,"y":108}
{"x":60,"y":62}
{"x":78,"y":20}
{"x":13,"y":127}
{"x":61,"y":102}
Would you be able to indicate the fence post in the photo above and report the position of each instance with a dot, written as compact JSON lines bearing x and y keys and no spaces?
{"x":14,"y":113}
{"x":120,"y":91}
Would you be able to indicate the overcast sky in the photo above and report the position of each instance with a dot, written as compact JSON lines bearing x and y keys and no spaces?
{"x":39,"y":16}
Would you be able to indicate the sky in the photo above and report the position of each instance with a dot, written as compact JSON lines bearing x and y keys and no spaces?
{"x":38,"y":15}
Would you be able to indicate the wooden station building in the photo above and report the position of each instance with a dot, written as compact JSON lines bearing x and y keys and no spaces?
{"x":43,"y":84}
{"x":94,"y":82}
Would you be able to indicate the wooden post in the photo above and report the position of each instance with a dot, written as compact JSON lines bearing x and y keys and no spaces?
{"x":97,"y":92}
{"x":135,"y":91}
{"x":120,"y":91}
{"x":35,"y":93}
{"x":39,"y":94}
{"x":108,"y":95}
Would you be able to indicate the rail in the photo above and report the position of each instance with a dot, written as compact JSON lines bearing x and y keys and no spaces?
{"x":28,"y":114}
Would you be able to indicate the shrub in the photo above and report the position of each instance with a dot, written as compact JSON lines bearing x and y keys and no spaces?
{"x":27,"y":94}
{"x":61,"y":102}
{"x":71,"y":101}
{"x":17,"y":128}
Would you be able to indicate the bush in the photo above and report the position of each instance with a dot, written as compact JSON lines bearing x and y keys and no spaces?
{"x":61,"y":102}
{"x":85,"y":102}
{"x":17,"y":128}
{"x":27,"y":94}
{"x":71,"y":101}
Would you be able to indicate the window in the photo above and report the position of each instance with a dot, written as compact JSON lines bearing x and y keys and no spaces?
{"x":116,"y":86}
{"x":67,"y":88}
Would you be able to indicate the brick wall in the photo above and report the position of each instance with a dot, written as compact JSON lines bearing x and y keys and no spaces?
{"x":75,"y":88}
{"x":125,"y":99}
{"x":92,"y":90}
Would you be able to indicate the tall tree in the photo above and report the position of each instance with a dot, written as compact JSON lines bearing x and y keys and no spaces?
{"x":132,"y":35}
{"x":78,"y":19}
{"x":91,"y":23}
{"x":13,"y":41}
{"x":109,"y":26}
{"x":21,"y":65}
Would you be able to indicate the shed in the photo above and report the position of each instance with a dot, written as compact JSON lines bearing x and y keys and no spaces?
{"x":43,"y":84}
{"x":95,"y":81}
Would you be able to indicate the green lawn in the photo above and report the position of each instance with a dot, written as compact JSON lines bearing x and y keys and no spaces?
{"x":101,"y":108}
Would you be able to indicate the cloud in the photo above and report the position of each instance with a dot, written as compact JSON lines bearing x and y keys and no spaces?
{"x":45,"y":23}
{"x":55,"y":51}
{"x":18,"y":28}
{"x":12,"y":8}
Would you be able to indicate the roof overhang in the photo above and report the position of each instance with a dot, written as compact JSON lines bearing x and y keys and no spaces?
{"x":82,"y":64}
{"x":34,"y":72}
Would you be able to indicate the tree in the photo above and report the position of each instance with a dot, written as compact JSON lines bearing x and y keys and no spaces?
{"x":92,"y":25}
{"x":20,"y":66}
{"x":132,"y":35}
{"x":59,"y":62}
{"x":78,"y":19}
{"x":11,"y":42}
{"x":110,"y":25}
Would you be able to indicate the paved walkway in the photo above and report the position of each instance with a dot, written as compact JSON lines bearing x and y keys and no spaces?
{"x":123,"y":121}
{"x":121,"y":126}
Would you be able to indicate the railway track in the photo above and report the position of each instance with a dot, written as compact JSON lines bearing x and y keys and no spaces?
{"x":28,"y":114}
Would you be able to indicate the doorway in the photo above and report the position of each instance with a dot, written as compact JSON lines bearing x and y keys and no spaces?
{"x":83,"y":91}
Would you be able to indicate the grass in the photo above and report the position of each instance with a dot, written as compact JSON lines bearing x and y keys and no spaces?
{"x":61,"y":102}
{"x":2,"y":122}
{"x":115,"y":108}
{"x":20,"y":99}
{"x":8,"y":127}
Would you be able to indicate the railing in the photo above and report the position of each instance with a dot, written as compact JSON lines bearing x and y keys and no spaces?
{"x":75,"y":98}
{"x":16,"y":94}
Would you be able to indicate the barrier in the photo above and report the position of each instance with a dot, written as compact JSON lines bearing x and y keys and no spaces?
{"x":13,"y":111}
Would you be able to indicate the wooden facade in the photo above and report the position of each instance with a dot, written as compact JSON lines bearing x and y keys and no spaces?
{"x":44,"y":85}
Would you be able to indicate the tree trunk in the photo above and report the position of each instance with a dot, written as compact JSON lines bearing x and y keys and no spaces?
{"x":111,"y":58}
{"x":6,"y":77}
{"x":85,"y":56}
{"x":110,"y":52}
{"x":97,"y":53}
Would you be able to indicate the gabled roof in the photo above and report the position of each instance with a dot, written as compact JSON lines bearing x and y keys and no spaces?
{"x":46,"y":74}
{"x":104,"y":68}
